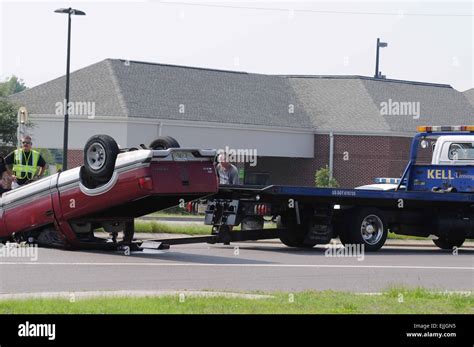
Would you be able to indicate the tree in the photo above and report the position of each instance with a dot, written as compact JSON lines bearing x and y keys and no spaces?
{"x":8,"y":123}
{"x":9,"y":111}
{"x":322,"y":180}
{"x":48,"y":158}
{"x":11,"y":86}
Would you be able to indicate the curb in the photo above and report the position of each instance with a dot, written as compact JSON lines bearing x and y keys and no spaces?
{"x":130,"y":293}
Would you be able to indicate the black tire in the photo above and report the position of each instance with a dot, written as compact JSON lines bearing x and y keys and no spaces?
{"x":360,"y":229}
{"x":445,"y":243}
{"x":294,"y":234}
{"x":89,"y":181}
{"x":100,"y":153}
{"x":252,"y":223}
{"x":164,"y":142}
{"x":341,"y":228}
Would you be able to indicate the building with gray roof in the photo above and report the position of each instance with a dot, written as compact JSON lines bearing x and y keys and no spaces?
{"x":294,"y":122}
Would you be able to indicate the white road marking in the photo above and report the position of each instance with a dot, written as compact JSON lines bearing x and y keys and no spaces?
{"x":408,"y":267}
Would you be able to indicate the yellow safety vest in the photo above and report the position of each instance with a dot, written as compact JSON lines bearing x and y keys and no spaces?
{"x":23,"y":170}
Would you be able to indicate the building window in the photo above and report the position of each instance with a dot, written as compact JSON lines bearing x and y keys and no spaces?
{"x":257,"y":178}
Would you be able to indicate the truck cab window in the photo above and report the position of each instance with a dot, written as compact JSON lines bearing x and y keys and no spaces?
{"x":461,"y":151}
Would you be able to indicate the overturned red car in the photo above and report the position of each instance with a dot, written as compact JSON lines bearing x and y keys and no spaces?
{"x":113,"y":187}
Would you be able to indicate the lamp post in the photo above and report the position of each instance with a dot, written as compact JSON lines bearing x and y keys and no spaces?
{"x":22,"y":118}
{"x":69,"y":11}
{"x":379,"y":45}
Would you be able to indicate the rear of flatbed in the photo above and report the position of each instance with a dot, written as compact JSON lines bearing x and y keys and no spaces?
{"x":307,"y":216}
{"x":435,"y":199}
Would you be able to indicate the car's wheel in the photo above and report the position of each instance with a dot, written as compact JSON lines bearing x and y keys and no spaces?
{"x":293,"y":234}
{"x":100,"y":153}
{"x":252,"y":223}
{"x":368,"y":227}
{"x":164,"y":142}
{"x":445,"y":243}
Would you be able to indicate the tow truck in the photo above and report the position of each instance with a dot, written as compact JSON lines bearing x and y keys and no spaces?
{"x":433,"y":199}
{"x":114,"y":186}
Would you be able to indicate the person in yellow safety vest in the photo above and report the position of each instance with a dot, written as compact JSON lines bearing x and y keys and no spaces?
{"x":24,"y":162}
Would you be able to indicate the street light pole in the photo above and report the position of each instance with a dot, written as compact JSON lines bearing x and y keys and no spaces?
{"x":377,"y":60}
{"x":22,"y":118}
{"x":377,"y":54}
{"x":69,"y":11}
{"x":66,"y":114}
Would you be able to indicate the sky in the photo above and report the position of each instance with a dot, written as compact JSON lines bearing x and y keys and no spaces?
{"x":428,"y":41}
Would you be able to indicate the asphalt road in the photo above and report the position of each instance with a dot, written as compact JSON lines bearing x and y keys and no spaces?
{"x":251,"y":266}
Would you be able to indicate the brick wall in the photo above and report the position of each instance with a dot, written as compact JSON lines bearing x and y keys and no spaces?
{"x":357,"y":161}
{"x":360,"y":159}
{"x":294,"y":171}
{"x":75,"y":157}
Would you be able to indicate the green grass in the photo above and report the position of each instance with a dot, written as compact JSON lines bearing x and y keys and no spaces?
{"x":397,"y":301}
{"x":179,"y":228}
{"x":176,"y":215}
{"x":169,"y":228}
{"x":201,"y":229}
{"x":392,"y":236}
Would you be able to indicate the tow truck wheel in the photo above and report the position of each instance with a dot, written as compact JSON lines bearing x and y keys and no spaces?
{"x":367,"y":227}
{"x":100,"y":153}
{"x":445,"y":243}
{"x":164,"y":142}
{"x":342,"y":230}
{"x":293,"y":234}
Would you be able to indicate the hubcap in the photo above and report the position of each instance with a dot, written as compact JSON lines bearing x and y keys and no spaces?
{"x":372,"y":229}
{"x":96,"y":156}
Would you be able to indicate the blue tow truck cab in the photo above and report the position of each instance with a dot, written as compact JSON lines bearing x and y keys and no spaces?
{"x":434,"y":199}
{"x":438,"y":177}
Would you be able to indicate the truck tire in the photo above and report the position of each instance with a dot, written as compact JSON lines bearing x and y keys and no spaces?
{"x":252,"y":223}
{"x":100,"y":153}
{"x":341,"y":228}
{"x":87,"y":180}
{"x":445,"y":243}
{"x":368,"y":227}
{"x":293,"y":234}
{"x":164,"y":142}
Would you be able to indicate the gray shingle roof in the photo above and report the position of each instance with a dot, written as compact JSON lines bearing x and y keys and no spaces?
{"x":157,"y":91}
{"x":469,"y":94}
{"x":338,"y":104}
{"x":438,"y":104}
{"x":95,"y":82}
{"x":324,"y":103}
{"x":354,"y":103}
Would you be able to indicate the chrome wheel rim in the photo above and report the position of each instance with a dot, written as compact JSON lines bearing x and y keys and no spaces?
{"x":372,"y":229}
{"x":96,"y":156}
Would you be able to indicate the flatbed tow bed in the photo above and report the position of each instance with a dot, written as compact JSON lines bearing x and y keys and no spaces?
{"x":278,"y":194}
{"x":435,"y":199}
